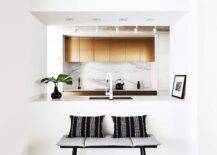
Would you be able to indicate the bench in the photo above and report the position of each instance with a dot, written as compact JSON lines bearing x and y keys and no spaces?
{"x":108,"y":142}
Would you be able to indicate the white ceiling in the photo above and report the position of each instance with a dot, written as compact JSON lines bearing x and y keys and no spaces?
{"x":165,"y":18}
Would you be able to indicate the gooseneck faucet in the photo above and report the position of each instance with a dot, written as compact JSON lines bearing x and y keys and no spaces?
{"x":109,"y":91}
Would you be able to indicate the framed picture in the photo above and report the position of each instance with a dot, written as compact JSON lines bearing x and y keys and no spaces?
{"x":179,"y":86}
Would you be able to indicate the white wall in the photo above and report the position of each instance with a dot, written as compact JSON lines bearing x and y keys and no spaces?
{"x":111,"y":5}
{"x":207,"y":75}
{"x":18,"y":71}
{"x":183,"y":60}
{"x":169,"y":120}
{"x":182,"y":52}
{"x":54,"y":54}
{"x":37,"y":56}
{"x":163,"y":58}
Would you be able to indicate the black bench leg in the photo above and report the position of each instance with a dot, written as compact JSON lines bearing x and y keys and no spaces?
{"x":142,"y":150}
{"x":74,"y":151}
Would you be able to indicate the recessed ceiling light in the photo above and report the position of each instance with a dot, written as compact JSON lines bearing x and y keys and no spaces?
{"x":69,"y":19}
{"x":122,"y":19}
{"x":150,"y":19}
{"x":96,"y":19}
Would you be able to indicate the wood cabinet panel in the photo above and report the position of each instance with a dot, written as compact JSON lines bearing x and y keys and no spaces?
{"x":133,"y":49}
{"x":147,"y":50}
{"x":72,"y":49}
{"x":117,"y":50}
{"x":82,"y":49}
{"x":86,"y":49}
{"x":101,"y":49}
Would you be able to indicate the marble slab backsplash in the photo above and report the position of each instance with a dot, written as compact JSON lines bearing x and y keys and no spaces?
{"x":93,"y":74}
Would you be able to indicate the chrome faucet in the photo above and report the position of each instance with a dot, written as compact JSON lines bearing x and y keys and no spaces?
{"x":109,"y":91}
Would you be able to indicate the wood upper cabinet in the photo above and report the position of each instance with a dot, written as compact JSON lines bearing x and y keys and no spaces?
{"x":117,"y":50}
{"x":133,"y":49}
{"x":82,"y":49}
{"x":147,"y":53}
{"x":86,"y":49}
{"x":72,"y":49}
{"x":101,"y":49}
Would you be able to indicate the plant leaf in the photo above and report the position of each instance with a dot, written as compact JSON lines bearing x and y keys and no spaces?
{"x":68,"y":81}
{"x":64,"y":78}
{"x":54,"y":80}
{"x":45,"y":80}
{"x":61,"y":77}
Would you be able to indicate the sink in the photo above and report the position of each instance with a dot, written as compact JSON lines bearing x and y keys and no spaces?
{"x":107,"y":98}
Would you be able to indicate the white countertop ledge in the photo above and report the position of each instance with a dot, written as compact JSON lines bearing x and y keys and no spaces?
{"x":77,"y":99}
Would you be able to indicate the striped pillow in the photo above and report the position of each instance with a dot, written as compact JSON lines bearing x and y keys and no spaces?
{"x":134,"y":126}
{"x":82,"y":126}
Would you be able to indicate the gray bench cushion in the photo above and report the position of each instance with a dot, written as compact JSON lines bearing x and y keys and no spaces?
{"x":76,"y":142}
{"x":108,"y":141}
{"x":147,"y":141}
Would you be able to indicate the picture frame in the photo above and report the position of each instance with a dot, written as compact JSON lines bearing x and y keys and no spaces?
{"x":179,"y":85}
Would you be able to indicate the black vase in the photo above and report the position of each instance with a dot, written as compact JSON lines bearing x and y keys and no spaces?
{"x":56,"y":94}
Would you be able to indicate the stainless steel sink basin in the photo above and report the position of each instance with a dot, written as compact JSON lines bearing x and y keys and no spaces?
{"x":107,"y":98}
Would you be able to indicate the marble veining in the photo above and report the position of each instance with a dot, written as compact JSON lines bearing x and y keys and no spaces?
{"x":93,"y":74}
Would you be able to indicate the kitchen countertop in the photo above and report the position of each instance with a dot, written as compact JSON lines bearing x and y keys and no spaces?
{"x":85,"y":99}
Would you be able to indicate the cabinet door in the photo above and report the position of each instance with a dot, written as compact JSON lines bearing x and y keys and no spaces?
{"x":72,"y":49}
{"x":101,"y":49}
{"x":133,"y":50}
{"x":86,"y":49}
{"x":117,"y":50}
{"x":147,"y":53}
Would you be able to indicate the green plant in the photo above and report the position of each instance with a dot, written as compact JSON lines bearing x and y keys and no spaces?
{"x":64,"y":78}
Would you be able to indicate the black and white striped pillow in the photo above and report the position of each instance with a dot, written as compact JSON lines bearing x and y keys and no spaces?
{"x":82,"y":126}
{"x":133,"y":126}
